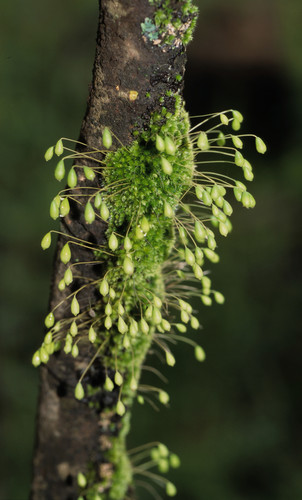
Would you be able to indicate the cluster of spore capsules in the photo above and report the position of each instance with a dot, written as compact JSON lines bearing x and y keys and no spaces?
{"x":162,"y":203}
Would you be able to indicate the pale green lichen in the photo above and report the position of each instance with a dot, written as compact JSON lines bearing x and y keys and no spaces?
{"x":170,"y":27}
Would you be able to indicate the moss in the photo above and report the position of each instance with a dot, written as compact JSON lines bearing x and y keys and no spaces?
{"x":155,"y":237}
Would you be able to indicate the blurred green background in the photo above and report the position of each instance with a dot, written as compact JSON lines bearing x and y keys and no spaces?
{"x":235,"y":420}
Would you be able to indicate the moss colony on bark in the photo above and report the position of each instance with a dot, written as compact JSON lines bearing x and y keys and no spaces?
{"x":159,"y":239}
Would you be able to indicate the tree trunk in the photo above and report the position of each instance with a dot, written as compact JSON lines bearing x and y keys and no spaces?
{"x":132,"y":75}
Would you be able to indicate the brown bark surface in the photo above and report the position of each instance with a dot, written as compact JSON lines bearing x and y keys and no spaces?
{"x":69,"y":433}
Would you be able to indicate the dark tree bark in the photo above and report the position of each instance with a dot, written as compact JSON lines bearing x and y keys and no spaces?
{"x":70,"y":434}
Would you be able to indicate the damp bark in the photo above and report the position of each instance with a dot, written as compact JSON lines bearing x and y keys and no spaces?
{"x":130,"y":76}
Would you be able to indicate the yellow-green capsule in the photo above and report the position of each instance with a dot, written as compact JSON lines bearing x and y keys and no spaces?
{"x":183,"y":235}
{"x":44,"y":357}
{"x":64,"y":207}
{"x":61,"y":285}
{"x":126,"y":342}
{"x":120,"y":408}
{"x":246,"y":200}
{"x":107,"y":138}
{"x":160,"y":144}
{"x":215,"y":193}
{"x":121,"y":325}
{"x":108,"y":385}
{"x":199,"y":256}
{"x":238,"y":159}
{"x":144,"y":224}
{"x":65,"y":254}
{"x":139,"y":233}
{"x":221,"y":139}
{"x":120,"y":309}
{"x":49,"y":320}
{"x":157,"y":301}
{"x":73,"y":329}
{"x":108,"y":309}
{"x":163,"y":450}
{"x":108,"y":322}
{"x":194,"y":323}
{"x":113,"y":242}
{"x":189,"y":256}
{"x":148,"y":312}
{"x":104,"y":287}
{"x":219,"y":297}
{"x":211,"y":243}
{"x":79,"y":391}
{"x":75,"y":351}
{"x":184,"y":316}
{"x":118,"y":378}
{"x":218,"y":213}
{"x":97,"y":200}
{"x":104,"y":212}
{"x":206,"y":282}
{"x":133,"y":329}
{"x":72,"y":178}
{"x":68,"y":277}
{"x":92,"y":335}
{"x":81,"y":479}
{"x":133,"y":384}
{"x":156,"y":316}
{"x":238,"y":193}
{"x":200,"y":355}
{"x":168,"y":211}
{"x":240,"y":185}
{"x":166,"y":325}
{"x":46,"y":241}
{"x":224,"y":119}
{"x":163,"y":397}
{"x":199,"y":232}
{"x":49,"y":153}
{"x":211,"y":255}
{"x":236,"y":124}
{"x":144,"y":327}
{"x":128,"y":266}
{"x":260,"y":145}
{"x":223,"y":229}
{"x":237,"y":141}
{"x":59,"y":148}
{"x":89,"y":173}
{"x":48,"y":343}
{"x":248,"y":174}
{"x":206,"y":198}
{"x":127,"y":244}
{"x":36,"y":360}
{"x":181,"y":328}
{"x":202,"y":141}
{"x":207,"y":301}
{"x":170,"y":358}
{"x":68,"y":347}
{"x":237,"y":115}
{"x":197,"y":271}
{"x":199,"y":191}
{"x":89,"y":213}
{"x":60,"y":170}
{"x":170,"y":147}
{"x":54,"y":210}
{"x":75,"y":306}
{"x":174,"y":460}
{"x":227,"y":208}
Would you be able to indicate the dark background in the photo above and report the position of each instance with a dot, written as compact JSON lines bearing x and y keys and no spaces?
{"x":235,"y":420}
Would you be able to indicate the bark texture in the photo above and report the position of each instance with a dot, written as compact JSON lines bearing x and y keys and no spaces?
{"x":70,"y":434}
